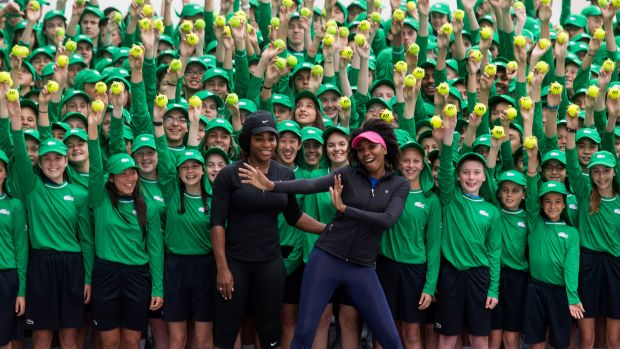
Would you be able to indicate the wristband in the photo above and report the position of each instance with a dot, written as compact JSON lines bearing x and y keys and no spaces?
{"x":42,"y":111}
{"x":158,"y":123}
{"x":267,"y":88}
{"x":553,"y":108}
{"x":571,"y":130}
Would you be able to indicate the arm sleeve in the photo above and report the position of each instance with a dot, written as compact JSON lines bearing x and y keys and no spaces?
{"x":116,"y":144}
{"x":96,"y":182}
{"x":494,"y":251}
{"x":150,"y":83}
{"x":141,"y":119}
{"x":242,"y":73}
{"x":579,"y":182}
{"x":307,"y":186}
{"x":608,"y":142}
{"x":23,"y":166}
{"x":20,"y":237}
{"x":445,"y":177}
{"x":571,"y":270}
{"x":87,"y":240}
{"x":166,"y":170}
{"x":155,"y":250}
{"x":220,"y":201}
{"x":532,"y":206}
{"x":506,"y":157}
{"x":433,"y":248}
{"x":6,"y":145}
{"x":292,"y":212}
{"x":385,"y":219}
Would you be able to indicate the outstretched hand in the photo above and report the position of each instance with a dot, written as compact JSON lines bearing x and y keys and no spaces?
{"x":255,"y":177}
{"x":336,"y":193}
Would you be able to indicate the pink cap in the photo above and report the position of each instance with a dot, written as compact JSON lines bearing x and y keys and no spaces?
{"x":370,"y":136}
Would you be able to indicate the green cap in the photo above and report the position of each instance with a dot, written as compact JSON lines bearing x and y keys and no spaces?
{"x":143,"y":140}
{"x":29,"y":103}
{"x":75,"y":115}
{"x":216,"y":150}
{"x":219,"y":123}
{"x":471,"y":156}
{"x":413,"y":144}
{"x":552,"y":187}
{"x":189,"y":154}
{"x":118,"y":163}
{"x":86,"y":76}
{"x":247,"y":105}
{"x":74,"y":93}
{"x":77,"y":59}
{"x":379,"y":100}
{"x":333,"y":129}
{"x":60,"y":125}
{"x":591,"y":11}
{"x":127,"y":133}
{"x":411,"y":22}
{"x":483,"y":140}
{"x":191,"y":10}
{"x":603,"y":158}
{"x":49,"y":70}
{"x":52,"y":146}
{"x":589,"y":133}
{"x":512,"y":176}
{"x":311,"y":133}
{"x":45,"y":50}
{"x":216,"y":72}
{"x":328,"y":87}
{"x":301,"y":66}
{"x":31,"y":132}
{"x":181,"y":106}
{"x":576,"y":20}
{"x":204,"y":94}
{"x":54,"y":13}
{"x":93,"y":10}
{"x":282,"y":100}
{"x":199,"y":61}
{"x":84,"y":38}
{"x":289,"y":126}
{"x":75,"y":132}
{"x":617,"y":131}
{"x":381,"y":82}
{"x":556,"y":155}
{"x":441,"y":7}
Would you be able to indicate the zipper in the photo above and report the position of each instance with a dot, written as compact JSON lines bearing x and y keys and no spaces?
{"x":372,"y":191}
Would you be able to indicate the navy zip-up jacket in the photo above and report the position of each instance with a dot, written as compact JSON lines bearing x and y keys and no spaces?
{"x":354,"y":235}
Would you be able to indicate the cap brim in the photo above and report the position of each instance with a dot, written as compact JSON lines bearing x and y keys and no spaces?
{"x":262,"y":129}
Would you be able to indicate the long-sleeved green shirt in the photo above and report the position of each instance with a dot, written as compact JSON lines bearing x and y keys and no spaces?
{"x":14,"y":239}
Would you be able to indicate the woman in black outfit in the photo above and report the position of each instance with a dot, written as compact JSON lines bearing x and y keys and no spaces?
{"x":244,"y":234}
{"x":369,"y":198}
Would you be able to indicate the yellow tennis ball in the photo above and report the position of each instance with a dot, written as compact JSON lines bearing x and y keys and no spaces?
{"x":593,"y":91}
{"x":364,"y":26}
{"x":101,"y":87}
{"x":387,"y":116}
{"x":345,"y":102}
{"x":436,"y":121}
{"x":544,"y":43}
{"x":530,"y":142}
{"x":459,"y":15}
{"x":97,"y":106}
{"x":187,"y":26}
{"x":562,"y":38}
{"x":511,"y":113}
{"x":305,"y":12}
{"x":145,"y":24}
{"x":175,"y":65}
{"x":520,"y":41}
{"x":410,"y":80}
{"x":555,"y":88}
{"x":60,"y":32}
{"x":609,"y":65}
{"x":291,"y":61}
{"x":490,"y":70}
{"x":343,"y":32}
{"x":331,"y":23}
{"x":411,"y":6}
{"x":12,"y":95}
{"x":161,"y":100}
{"x":498,"y":132}
{"x":375,"y":17}
{"x":52,"y":86}
{"x":443,"y":89}
{"x":136,"y":51}
{"x":62,"y":61}
{"x":377,"y":4}
{"x":147,"y":10}
{"x":401,"y":66}
{"x":117,"y":88}
{"x":118,"y":17}
{"x":450,"y":110}
{"x":139,"y":2}
{"x":545,"y":2}
{"x":279,"y":43}
{"x":615,"y":3}
{"x":328,"y":40}
{"x":275,"y":22}
{"x":518,"y":5}
{"x":195,"y":102}
{"x":317,"y":70}
{"x":192,"y":39}
{"x":512,"y":66}
{"x":234,"y":22}
{"x":480,"y":109}
{"x":220,"y":21}
{"x":613,"y":93}
{"x":331,"y":30}
{"x":398,"y":15}
{"x":232,"y":99}
{"x":347,"y":52}
{"x":599,"y":34}
{"x":71,"y":46}
{"x":603,"y":3}
{"x":82,"y":2}
{"x":5,"y":77}
{"x":542,"y":67}
{"x":35,"y":5}
{"x":525,"y":103}
{"x":200,"y":24}
{"x":360,"y":40}
{"x":476,"y":54}
{"x":572,"y":111}
{"x":447,"y":29}
{"x":413,"y":49}
{"x":419,"y":73}
{"x":159,"y":25}
{"x":280,"y":63}
{"x":486,"y":33}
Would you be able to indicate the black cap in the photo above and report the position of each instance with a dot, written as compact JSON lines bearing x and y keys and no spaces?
{"x":258,"y":122}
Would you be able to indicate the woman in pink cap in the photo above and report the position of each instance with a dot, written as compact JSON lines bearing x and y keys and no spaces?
{"x":369,"y":198}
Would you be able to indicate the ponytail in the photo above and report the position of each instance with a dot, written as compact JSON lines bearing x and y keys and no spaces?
{"x":139,"y":203}
{"x":203,"y":195}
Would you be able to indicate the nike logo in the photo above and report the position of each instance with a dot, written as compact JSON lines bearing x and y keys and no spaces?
{"x":265,"y":121}
{"x":273,"y":344}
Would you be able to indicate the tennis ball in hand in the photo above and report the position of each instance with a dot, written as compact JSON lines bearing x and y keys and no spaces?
{"x":436,"y":121}
{"x":544,"y":43}
{"x":519,"y":41}
{"x":158,"y":24}
{"x":117,"y":88}
{"x":136,"y":51}
{"x":443,"y":89}
{"x":200,"y":24}
{"x":609,"y":65}
{"x":280,"y":63}
{"x":413,"y":49}
{"x":345,"y":102}
{"x":498,"y":132}
{"x":593,"y":91}
{"x":542,"y":67}
{"x":599,"y":34}
{"x":447,"y":29}
{"x":476,"y":54}
{"x":490,"y":70}
{"x":35,"y":5}
{"x":220,"y":21}
{"x":545,"y":2}
{"x":118,"y":17}
{"x":139,"y":2}
{"x":161,"y":100}
{"x":332,"y":23}
{"x":603,"y":3}
{"x":97,"y":106}
{"x":232,"y":99}
{"x":411,"y":6}
{"x":12,"y":95}
{"x":331,"y":30}
{"x":410,"y":81}
{"x":288,"y":3}
{"x":101,"y":87}
{"x":530,"y":142}
{"x":347,"y":52}
{"x":450,"y":110}
{"x":364,"y":26}
{"x":5,"y":77}
{"x":518,"y":5}
{"x":375,"y":17}
{"x":459,"y":15}
{"x":480,"y":109}
{"x":60,"y":32}
{"x":613,"y":93}
{"x":343,"y":32}
{"x":377,"y":4}
{"x":71,"y":46}
{"x":175,"y":65}
{"x":317,"y":70}
{"x":192,"y":39}
{"x":572,"y":111}
{"x":195,"y":102}
{"x":398,"y":15}
{"x":400,"y":67}
{"x":305,"y":12}
{"x":279,"y":43}
{"x":145,"y":24}
{"x":275,"y":22}
{"x":511,"y":113}
{"x":486,"y":33}
{"x":82,"y":2}
{"x":187,"y":26}
{"x":419,"y":73}
{"x":525,"y":103}
{"x":512,"y":66}
{"x":562,"y":38}
{"x":62,"y":61}
{"x":147,"y":10}
{"x":291,"y":61}
{"x":328,"y":40}
{"x":52,"y":86}
{"x":360,"y":40}
{"x":615,"y":3}
{"x":555,"y":88}
{"x":387,"y":116}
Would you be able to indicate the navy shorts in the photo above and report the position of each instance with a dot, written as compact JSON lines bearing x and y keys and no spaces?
{"x":599,"y":284}
{"x":9,"y":285}
{"x":508,"y":314}
{"x":402,"y":284}
{"x":546,"y":309}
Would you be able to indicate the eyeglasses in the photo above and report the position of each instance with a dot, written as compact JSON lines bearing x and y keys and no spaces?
{"x":171,"y":120}
{"x":194,"y":72}
{"x":552,"y":168}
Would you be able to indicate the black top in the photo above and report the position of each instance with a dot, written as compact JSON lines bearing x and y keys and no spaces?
{"x":250,"y":215}
{"x":355,"y":234}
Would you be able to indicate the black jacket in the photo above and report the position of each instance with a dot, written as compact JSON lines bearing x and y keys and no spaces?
{"x":355,"y":235}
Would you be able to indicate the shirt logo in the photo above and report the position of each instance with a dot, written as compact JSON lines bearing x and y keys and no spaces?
{"x":387,"y":191}
{"x":201,"y":209}
{"x":484,"y":213}
{"x":572,"y":206}
{"x":5,"y":212}
{"x":29,"y":322}
{"x":158,"y":198}
{"x":419,"y":204}
{"x":68,"y":198}
{"x":617,"y":211}
{"x":521,"y":224}
{"x":134,"y":212}
{"x":563,"y":235}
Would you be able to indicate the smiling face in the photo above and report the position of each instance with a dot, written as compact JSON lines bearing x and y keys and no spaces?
{"x":511,"y":194}
{"x":175,"y":125}
{"x":53,"y":166}
{"x":383,"y":91}
{"x":125,"y":182}
{"x":29,"y":118}
{"x":209,"y":108}
{"x":77,"y":150}
{"x":218,"y":137}
{"x":330,"y":102}
{"x":288,"y":147}
{"x":313,"y":151}
{"x":411,"y":165}
{"x":603,"y":177}
{"x":554,"y":170}
{"x":190,"y":173}
{"x":305,"y":112}
{"x":337,"y":147}
{"x":471,"y":176}
{"x":262,"y":146}
{"x":371,"y":156}
{"x":215,"y":163}
{"x":585,"y":148}
{"x":217,"y":85}
{"x":146,"y":159}
{"x":552,"y":205}
{"x":193,"y":76}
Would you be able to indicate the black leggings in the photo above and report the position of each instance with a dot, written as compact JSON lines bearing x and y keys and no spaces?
{"x":259,"y":285}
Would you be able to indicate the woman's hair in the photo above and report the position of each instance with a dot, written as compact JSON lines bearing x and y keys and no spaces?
{"x":595,"y":196}
{"x":386,"y":131}
{"x":203,"y":195}
{"x":138,"y":200}
{"x":245,"y":138}
{"x":318,"y":120}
